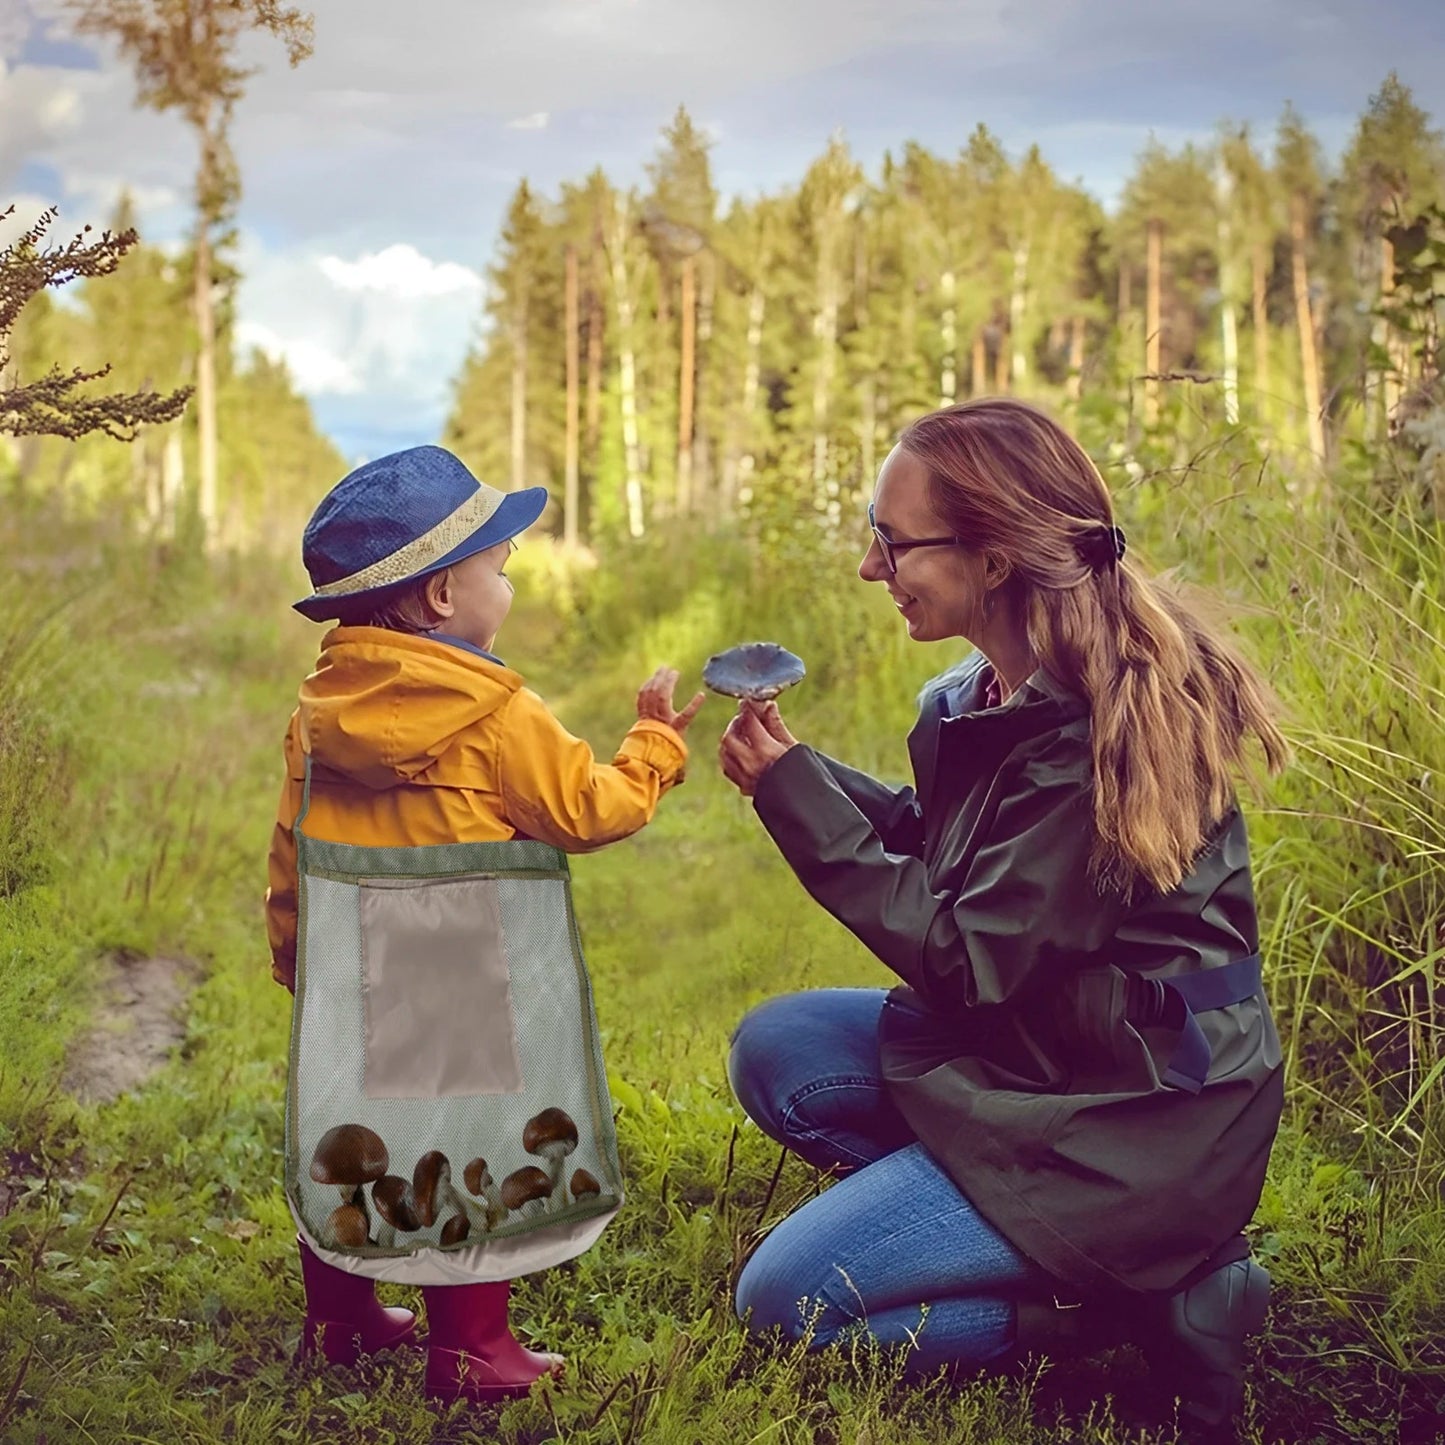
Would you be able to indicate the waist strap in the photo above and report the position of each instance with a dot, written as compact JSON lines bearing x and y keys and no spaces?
{"x":1173,"y":1002}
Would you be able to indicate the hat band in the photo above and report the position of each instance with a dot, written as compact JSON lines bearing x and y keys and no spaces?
{"x":407,"y":561}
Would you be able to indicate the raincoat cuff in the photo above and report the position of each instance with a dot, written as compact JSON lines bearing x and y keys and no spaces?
{"x":660,"y":746}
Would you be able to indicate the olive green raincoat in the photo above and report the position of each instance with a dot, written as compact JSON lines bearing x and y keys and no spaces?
{"x":1009,"y":1047}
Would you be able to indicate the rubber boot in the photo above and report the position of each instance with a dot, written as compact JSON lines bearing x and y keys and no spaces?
{"x":472,"y":1353}
{"x":344,"y":1319}
{"x":1194,"y":1342}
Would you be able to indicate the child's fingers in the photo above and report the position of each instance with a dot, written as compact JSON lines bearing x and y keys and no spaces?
{"x":690,"y":711}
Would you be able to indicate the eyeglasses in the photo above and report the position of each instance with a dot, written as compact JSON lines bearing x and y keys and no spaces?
{"x":891,"y":549}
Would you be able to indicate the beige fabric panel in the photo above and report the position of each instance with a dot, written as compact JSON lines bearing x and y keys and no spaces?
{"x":434,"y":968}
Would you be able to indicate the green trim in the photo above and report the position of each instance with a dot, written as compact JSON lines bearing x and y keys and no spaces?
{"x":349,"y":862}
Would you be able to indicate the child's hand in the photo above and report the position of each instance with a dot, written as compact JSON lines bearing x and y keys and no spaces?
{"x":654,"y":700}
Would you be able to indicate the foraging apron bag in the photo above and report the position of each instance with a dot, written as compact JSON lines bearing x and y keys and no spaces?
{"x":447,"y":1113}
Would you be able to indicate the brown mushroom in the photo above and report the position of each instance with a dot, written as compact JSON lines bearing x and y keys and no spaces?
{"x":525,"y":1190}
{"x":478,"y":1179}
{"x":434,"y":1193}
{"x":392,"y":1196}
{"x":346,"y":1226}
{"x":350,"y":1156}
{"x":455,"y":1230}
{"x":552,"y":1136}
{"x":584,"y":1186}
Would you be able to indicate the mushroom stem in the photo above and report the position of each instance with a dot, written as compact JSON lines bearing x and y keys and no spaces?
{"x":449,"y":1194}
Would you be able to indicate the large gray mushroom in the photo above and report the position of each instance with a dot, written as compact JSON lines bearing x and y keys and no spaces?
{"x":551,"y":1135}
{"x":757,"y":670}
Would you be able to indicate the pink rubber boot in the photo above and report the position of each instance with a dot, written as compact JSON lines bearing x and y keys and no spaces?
{"x":344,"y":1319}
{"x":471,"y":1351}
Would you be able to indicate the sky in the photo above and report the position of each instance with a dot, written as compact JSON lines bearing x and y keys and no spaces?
{"x":377,"y":173}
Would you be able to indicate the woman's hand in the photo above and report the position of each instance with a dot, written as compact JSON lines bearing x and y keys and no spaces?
{"x":654,"y":700}
{"x":752,"y":742}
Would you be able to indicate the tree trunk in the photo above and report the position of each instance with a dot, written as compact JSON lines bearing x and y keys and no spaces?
{"x":1152,"y":348}
{"x":1260,"y":311}
{"x":1385,"y":339}
{"x":205,"y":367}
{"x":519,"y":392}
{"x":978,"y":377}
{"x":1228,"y":322}
{"x":571,"y":488}
{"x":1309,"y":364}
{"x":752,"y":374}
{"x":948,"y":375}
{"x":825,"y":328}
{"x":685,"y":386}
{"x":1017,"y":301}
{"x":702,"y":481}
{"x":595,"y":323}
{"x":173,"y":478}
{"x":1001,"y":362}
{"x":1075,"y":385}
{"x":627,"y":369}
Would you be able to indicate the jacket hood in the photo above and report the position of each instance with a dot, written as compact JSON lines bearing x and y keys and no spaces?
{"x":383,"y":706}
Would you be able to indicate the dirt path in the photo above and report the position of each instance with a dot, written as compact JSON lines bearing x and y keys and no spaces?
{"x":139,"y":1019}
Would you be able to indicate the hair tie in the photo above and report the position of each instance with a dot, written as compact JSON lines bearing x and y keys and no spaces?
{"x":1104,"y":547}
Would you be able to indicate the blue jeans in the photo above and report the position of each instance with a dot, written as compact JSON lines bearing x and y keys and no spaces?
{"x":894,"y":1233}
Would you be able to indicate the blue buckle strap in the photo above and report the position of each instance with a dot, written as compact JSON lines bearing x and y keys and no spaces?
{"x":1174,"y":1002}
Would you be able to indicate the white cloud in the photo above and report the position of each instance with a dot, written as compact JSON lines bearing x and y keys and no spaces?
{"x":317,"y":371}
{"x":391,"y":326}
{"x":403,"y":272}
{"x":536,"y":121}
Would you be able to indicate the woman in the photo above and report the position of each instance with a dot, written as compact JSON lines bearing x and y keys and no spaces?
{"x":1058,"y":1124}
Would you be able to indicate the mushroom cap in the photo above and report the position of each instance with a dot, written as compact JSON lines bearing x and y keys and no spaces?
{"x":476,"y":1176}
{"x":583,"y":1184}
{"x":346,"y":1224}
{"x":349,"y":1154}
{"x":392,"y":1196}
{"x":551,"y":1126}
{"x":753,"y":669}
{"x":429,"y":1180}
{"x":525,"y":1184}
{"x":455,"y":1229}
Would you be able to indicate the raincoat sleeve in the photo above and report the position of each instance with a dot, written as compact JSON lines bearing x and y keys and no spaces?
{"x":554,"y":790}
{"x":894,"y":814}
{"x":1025,"y":905}
{"x":281,"y":879}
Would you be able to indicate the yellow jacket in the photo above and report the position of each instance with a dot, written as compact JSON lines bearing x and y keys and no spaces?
{"x":415,"y":741}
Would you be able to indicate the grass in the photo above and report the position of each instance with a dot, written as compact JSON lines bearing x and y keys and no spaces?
{"x":148,"y":1286}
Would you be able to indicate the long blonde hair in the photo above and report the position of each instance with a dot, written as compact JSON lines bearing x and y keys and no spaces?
{"x":1170,"y":702}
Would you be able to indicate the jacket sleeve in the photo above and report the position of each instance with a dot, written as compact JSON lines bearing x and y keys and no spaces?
{"x":1025,"y":905}
{"x":281,"y":879}
{"x":554,"y":790}
{"x":894,"y":814}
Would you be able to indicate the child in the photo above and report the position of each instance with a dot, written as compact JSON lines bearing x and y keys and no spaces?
{"x":419,"y":734}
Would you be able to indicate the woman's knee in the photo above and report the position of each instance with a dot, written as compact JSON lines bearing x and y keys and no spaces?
{"x":783,"y":1043}
{"x":771,"y":1293}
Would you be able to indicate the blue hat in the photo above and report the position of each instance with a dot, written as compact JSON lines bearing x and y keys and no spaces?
{"x":400,"y":518}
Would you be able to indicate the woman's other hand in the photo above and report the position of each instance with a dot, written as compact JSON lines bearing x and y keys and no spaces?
{"x":654,"y":700}
{"x":752,"y":742}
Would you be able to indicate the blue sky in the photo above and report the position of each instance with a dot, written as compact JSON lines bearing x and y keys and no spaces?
{"x":376,"y":174}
